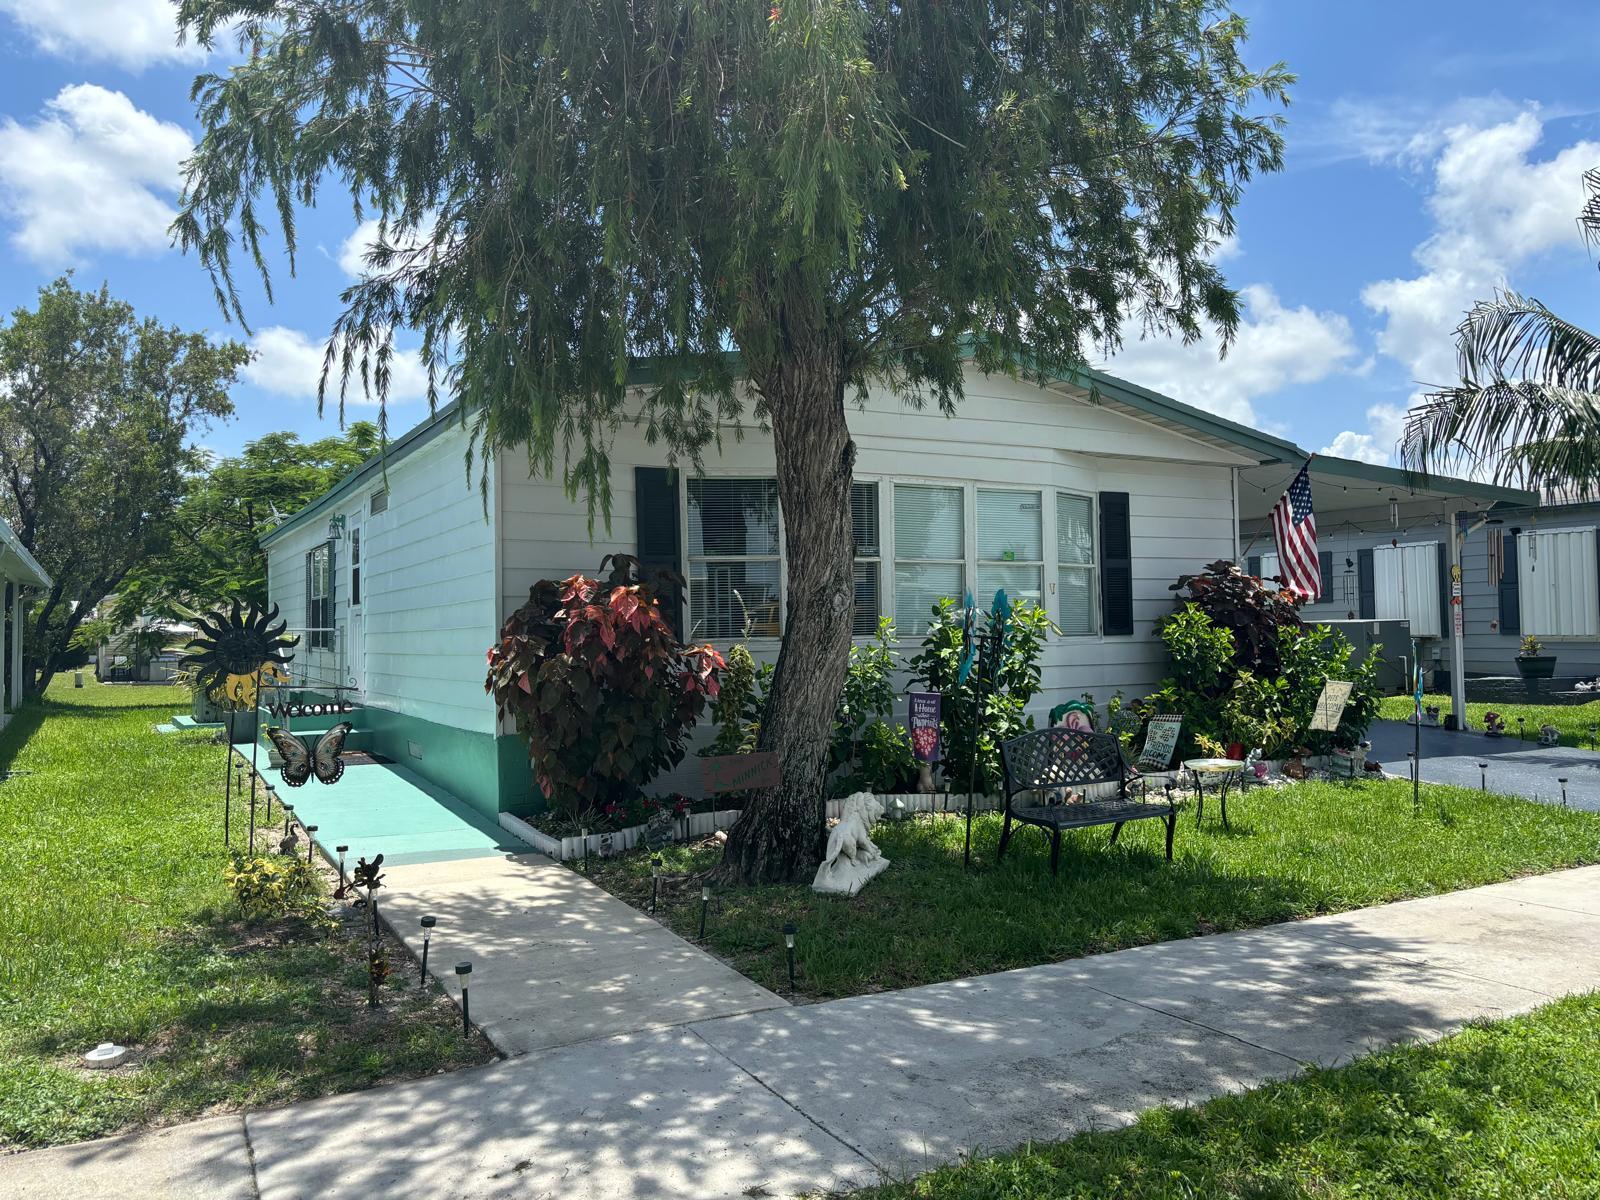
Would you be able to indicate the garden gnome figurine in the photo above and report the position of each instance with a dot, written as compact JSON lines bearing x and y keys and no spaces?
{"x":852,"y":857}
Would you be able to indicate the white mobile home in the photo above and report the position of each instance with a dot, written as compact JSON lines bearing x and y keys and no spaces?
{"x":1090,"y":496}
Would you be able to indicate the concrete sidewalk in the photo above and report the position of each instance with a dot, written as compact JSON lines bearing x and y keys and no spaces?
{"x":830,"y":1095}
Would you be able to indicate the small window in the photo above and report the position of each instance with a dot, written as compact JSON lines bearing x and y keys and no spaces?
{"x":733,"y":558}
{"x":1010,"y":545}
{"x":930,"y":557}
{"x":319,"y":597}
{"x":869,"y":563}
{"x":1075,"y":564}
{"x":355,"y":565}
{"x":379,"y":502}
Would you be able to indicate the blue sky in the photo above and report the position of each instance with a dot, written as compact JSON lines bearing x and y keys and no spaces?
{"x":1435,"y":152}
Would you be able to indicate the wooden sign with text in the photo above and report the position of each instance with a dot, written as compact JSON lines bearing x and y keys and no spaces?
{"x":739,"y":772}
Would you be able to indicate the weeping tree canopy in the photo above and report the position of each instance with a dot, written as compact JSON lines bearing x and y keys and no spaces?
{"x":1527,"y":408}
{"x":844,"y":192}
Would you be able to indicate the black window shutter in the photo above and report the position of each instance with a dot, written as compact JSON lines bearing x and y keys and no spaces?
{"x":1367,"y":585}
{"x":655,"y":516}
{"x":1446,"y":623}
{"x":311,"y":612}
{"x":1252,"y":565}
{"x":1510,"y":595}
{"x":1116,"y":566}
{"x":1325,"y":570}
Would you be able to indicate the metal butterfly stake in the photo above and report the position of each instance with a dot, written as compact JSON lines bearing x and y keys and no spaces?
{"x":367,"y":875}
{"x":228,"y":654}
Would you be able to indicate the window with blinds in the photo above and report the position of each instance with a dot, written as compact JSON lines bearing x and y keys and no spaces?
{"x":733,"y":558}
{"x":869,"y":558}
{"x":1075,"y":565}
{"x":1557,"y":584}
{"x":930,"y":552}
{"x":1011,"y":545}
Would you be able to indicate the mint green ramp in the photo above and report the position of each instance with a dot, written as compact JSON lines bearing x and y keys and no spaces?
{"x":383,"y":808}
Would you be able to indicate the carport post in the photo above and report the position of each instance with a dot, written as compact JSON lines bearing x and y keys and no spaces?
{"x":1458,"y":656}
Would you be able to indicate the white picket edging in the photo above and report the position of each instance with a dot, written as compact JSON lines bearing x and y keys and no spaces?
{"x":567,"y":849}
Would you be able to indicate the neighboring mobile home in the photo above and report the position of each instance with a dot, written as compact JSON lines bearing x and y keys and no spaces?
{"x":1090,"y":497}
{"x":1382,"y":537}
{"x":21,"y":574}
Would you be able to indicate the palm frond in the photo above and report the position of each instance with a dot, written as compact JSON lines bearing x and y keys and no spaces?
{"x":1589,"y":215}
{"x":1514,"y":337}
{"x":1520,"y":432}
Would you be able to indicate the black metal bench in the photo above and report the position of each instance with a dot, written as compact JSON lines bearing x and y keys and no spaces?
{"x":1058,"y":760}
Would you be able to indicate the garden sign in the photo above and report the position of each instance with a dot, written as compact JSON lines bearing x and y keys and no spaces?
{"x":1330,"y":706}
{"x":739,"y":772}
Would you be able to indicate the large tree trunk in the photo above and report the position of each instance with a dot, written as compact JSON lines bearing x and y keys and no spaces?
{"x":780,"y":835}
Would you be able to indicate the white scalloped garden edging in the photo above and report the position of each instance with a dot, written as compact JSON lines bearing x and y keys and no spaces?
{"x":567,"y":849}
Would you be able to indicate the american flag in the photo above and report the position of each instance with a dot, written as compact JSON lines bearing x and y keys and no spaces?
{"x":1294,"y":526}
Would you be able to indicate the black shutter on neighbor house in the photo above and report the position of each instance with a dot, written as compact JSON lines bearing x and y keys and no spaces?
{"x":1116,"y":565}
{"x":1510,"y":595}
{"x":1252,"y":565}
{"x":656,"y":524}
{"x":1367,"y":586}
{"x":1325,"y":571}
{"x":1446,"y":622}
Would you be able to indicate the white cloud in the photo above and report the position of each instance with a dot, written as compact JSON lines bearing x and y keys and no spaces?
{"x":1275,"y":346}
{"x":1385,"y":422}
{"x":93,"y":172}
{"x":1495,"y":208}
{"x":289,"y":363}
{"x":352,"y":256}
{"x":130,"y":33}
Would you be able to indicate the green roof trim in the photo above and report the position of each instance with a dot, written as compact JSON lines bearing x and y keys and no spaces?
{"x":1350,"y":468}
{"x":1272,"y":448}
{"x":412,"y":440}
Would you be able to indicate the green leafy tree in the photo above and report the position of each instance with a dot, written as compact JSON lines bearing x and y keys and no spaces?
{"x":98,"y":409}
{"x":846,"y":193}
{"x":215,"y":553}
{"x":1526,"y":409}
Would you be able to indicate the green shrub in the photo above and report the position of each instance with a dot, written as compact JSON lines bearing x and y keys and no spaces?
{"x":272,"y":887}
{"x":1270,"y":707}
{"x":1004,"y":714}
{"x":866,"y":747}
{"x":738,"y":706}
{"x":599,"y":686}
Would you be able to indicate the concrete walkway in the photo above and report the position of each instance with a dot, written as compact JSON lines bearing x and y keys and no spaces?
{"x":555,"y":959}
{"x":830,"y":1095}
{"x":1515,"y":767}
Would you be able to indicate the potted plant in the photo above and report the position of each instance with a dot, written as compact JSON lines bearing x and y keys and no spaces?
{"x":1533,"y":662}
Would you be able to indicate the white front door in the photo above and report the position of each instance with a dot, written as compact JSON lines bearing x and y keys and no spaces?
{"x":355,"y":645}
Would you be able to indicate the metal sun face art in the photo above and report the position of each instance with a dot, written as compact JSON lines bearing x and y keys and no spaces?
{"x":238,"y":642}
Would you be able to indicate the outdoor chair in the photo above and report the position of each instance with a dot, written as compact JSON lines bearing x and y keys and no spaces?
{"x":1049,"y":762}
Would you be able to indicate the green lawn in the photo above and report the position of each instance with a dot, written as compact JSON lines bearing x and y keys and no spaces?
{"x":115,"y":925}
{"x":1573,"y":720}
{"x":1315,"y":848}
{"x":1499,"y":1111}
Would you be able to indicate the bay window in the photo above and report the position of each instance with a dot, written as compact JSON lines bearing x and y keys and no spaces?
{"x":930,"y":552}
{"x":868,"y":558}
{"x":1011,"y":544}
{"x":1075,"y":564}
{"x":733,"y":558}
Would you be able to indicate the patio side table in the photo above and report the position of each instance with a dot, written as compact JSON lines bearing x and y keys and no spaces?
{"x":1223,"y":773}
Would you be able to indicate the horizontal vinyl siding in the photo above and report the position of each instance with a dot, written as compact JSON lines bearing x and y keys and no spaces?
{"x":428,"y":604}
{"x":1007,"y":434}
{"x":1490,"y":652}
